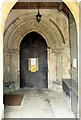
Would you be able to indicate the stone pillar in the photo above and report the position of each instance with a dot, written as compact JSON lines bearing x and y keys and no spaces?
{"x":16,"y":68}
{"x":9,"y":83}
{"x":48,"y":58}
{"x":7,"y":67}
{"x":57,"y":86}
{"x":59,"y":65}
{"x":51,"y":68}
{"x":11,"y":70}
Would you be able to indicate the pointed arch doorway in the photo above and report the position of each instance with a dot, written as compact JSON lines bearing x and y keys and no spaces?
{"x":33,"y":62}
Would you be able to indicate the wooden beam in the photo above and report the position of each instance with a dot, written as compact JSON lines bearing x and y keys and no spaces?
{"x":42,"y":5}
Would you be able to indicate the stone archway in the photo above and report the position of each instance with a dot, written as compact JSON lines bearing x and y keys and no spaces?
{"x":12,"y":39}
{"x":5,"y":9}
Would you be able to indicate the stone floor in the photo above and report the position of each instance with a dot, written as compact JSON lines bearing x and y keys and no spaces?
{"x":40,"y":104}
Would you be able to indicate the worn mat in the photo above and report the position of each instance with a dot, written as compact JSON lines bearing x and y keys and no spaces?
{"x":13,"y":100}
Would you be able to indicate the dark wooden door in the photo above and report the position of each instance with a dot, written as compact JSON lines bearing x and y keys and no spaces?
{"x":33,"y":46}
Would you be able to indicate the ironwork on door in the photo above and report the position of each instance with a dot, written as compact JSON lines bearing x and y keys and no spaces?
{"x":33,"y":61}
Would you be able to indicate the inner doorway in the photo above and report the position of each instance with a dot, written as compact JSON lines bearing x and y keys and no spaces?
{"x":33,"y":62}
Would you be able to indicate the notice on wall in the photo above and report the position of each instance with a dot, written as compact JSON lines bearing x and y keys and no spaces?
{"x":75,"y":63}
{"x":33,"y":61}
{"x":33,"y":64}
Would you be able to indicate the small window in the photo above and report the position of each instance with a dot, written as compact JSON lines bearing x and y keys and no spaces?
{"x":33,"y":64}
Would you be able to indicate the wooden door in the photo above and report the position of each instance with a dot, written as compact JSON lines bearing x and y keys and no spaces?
{"x":33,"y":48}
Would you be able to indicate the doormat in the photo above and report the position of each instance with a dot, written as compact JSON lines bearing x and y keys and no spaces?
{"x":13,"y":100}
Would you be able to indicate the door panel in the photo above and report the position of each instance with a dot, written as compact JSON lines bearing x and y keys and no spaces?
{"x":33,"y":46}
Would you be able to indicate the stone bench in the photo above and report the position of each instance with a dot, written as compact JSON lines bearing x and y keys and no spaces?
{"x":66,"y":83}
